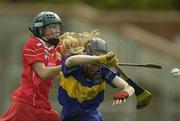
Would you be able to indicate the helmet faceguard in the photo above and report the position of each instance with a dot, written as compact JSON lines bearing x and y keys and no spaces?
{"x":41,"y":21}
{"x":96,"y":46}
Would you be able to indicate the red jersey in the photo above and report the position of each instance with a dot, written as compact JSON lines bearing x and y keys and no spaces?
{"x":34,"y":90}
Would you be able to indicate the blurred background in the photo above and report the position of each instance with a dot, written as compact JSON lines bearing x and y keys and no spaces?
{"x":139,"y":31}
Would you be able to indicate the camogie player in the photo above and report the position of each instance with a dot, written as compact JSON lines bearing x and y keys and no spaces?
{"x":84,"y":75}
{"x":40,"y":64}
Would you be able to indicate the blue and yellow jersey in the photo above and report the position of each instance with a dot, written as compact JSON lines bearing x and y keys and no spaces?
{"x":80,"y":92}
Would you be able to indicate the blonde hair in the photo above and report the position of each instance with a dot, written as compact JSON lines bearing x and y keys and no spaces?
{"x":74,"y":43}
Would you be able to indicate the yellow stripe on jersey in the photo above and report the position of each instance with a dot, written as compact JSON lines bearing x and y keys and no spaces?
{"x":76,"y":90}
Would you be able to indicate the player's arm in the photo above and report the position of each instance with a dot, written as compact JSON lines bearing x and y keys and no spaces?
{"x":107,"y":59}
{"x":45,"y":72}
{"x":126,"y":91}
{"x":81,"y":59}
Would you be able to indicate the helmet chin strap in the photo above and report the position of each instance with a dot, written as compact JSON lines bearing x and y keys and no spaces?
{"x":53,"y":41}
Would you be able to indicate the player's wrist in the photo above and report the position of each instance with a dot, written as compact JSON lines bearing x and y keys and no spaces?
{"x":102,"y":59}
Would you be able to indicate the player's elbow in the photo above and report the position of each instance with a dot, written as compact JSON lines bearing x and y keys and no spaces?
{"x":41,"y":70}
{"x":43,"y":76}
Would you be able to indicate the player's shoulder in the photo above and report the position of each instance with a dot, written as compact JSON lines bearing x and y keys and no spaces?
{"x":33,"y":43}
{"x":106,"y":69}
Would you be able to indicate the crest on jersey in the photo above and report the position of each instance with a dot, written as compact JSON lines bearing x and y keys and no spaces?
{"x":45,"y":56}
{"x":59,"y":55}
{"x":97,"y":78}
{"x":39,"y":44}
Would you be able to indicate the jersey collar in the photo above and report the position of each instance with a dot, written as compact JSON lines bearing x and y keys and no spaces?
{"x":49,"y":48}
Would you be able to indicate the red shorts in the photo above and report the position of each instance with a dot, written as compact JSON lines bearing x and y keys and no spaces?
{"x":24,"y":112}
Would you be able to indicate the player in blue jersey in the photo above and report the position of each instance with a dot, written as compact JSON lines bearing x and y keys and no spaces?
{"x":84,"y":75}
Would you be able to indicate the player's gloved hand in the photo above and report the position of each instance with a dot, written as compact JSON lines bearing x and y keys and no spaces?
{"x":109,"y":59}
{"x":120,"y":97}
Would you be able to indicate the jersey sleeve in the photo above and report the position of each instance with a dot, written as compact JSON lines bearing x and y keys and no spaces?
{"x":108,"y":75}
{"x":33,"y":52}
{"x":69,"y":71}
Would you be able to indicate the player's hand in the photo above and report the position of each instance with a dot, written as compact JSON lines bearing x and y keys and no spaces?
{"x":120,"y":97}
{"x":109,"y":59}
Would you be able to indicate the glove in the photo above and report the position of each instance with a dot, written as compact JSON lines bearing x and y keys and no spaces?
{"x":120,"y":97}
{"x":109,"y":59}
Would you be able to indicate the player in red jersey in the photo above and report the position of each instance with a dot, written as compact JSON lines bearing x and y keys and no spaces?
{"x":40,"y":65}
